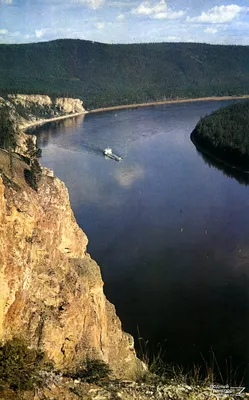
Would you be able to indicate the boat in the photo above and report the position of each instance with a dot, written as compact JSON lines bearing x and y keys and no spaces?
{"x":108,"y":153}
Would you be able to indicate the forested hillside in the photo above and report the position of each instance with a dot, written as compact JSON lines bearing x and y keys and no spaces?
{"x":225,"y":134}
{"x":106,"y":75}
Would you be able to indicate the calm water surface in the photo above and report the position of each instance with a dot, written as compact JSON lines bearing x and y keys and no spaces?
{"x":169,"y":230}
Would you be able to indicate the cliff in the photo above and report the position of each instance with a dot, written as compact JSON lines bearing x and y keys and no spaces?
{"x":51,"y":291}
{"x":27,"y":110}
{"x":37,"y":107}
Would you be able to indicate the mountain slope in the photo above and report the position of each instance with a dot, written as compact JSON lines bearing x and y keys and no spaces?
{"x":105,"y":75}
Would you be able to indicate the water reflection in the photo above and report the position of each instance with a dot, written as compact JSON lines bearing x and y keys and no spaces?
{"x":170,"y":233}
{"x":128,"y":174}
{"x":58,"y":127}
{"x":240,"y":176}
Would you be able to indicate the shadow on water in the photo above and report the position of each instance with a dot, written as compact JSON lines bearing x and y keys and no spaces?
{"x":49,"y":130}
{"x":55,"y":128}
{"x":240,"y":176}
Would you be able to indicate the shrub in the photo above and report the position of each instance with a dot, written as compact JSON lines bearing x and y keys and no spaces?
{"x":92,"y":371}
{"x":39,"y":152}
{"x":31,"y":147}
{"x":32,"y":150}
{"x":19,"y":366}
{"x":33,"y":176}
{"x":8,"y":129}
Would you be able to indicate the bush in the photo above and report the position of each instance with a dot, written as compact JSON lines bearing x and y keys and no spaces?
{"x":92,"y":371}
{"x":8,"y":129}
{"x":32,"y":150}
{"x":33,"y":176}
{"x":19,"y":366}
{"x":39,"y":152}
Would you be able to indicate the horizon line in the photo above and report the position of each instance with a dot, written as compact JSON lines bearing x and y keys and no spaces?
{"x":122,"y":44}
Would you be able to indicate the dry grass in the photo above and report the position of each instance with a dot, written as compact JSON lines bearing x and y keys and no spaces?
{"x":206,"y":374}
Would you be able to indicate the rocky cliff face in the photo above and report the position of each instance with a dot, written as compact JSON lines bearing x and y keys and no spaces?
{"x":51,"y":291}
{"x":29,"y":110}
{"x":35,"y":107}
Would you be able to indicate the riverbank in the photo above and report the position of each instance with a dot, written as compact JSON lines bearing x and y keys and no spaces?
{"x":216,"y":158}
{"x":222,"y":135}
{"x":28,"y":125}
{"x":157,"y":103}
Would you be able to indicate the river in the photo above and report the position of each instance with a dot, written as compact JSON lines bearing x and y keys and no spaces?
{"x":169,"y":228}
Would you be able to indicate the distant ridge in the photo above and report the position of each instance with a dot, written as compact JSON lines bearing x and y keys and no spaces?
{"x":105,"y":75}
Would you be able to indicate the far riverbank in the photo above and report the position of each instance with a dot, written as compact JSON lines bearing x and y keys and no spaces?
{"x":156,"y":103}
{"x":44,"y":121}
{"x":127,"y":106}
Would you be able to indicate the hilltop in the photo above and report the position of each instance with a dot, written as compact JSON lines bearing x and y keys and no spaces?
{"x":106,"y":75}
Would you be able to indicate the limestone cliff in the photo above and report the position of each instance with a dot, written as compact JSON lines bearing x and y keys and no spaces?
{"x":51,"y":291}
{"x":35,"y":107}
{"x":29,"y":110}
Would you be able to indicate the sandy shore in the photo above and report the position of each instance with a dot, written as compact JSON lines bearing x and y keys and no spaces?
{"x":155,"y":103}
{"x":27,"y":125}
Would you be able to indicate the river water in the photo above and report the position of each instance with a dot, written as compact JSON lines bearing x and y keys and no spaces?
{"x":169,"y":228}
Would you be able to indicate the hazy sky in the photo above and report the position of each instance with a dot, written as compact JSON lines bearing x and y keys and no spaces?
{"x":125,"y":21}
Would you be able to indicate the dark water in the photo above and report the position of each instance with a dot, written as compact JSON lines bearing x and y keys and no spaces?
{"x":169,"y":228}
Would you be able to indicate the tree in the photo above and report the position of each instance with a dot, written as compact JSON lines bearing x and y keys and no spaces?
{"x":8,"y":128}
{"x":8,"y":131}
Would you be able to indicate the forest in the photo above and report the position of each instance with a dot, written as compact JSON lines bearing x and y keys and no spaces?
{"x":111,"y":74}
{"x":225,"y":135}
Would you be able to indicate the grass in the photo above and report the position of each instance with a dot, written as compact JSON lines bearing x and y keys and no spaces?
{"x":233,"y":376}
{"x":206,"y":374}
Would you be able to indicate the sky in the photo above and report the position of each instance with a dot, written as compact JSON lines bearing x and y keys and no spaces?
{"x":125,"y":21}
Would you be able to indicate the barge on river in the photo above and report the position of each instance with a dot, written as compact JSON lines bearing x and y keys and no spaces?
{"x":108,"y":153}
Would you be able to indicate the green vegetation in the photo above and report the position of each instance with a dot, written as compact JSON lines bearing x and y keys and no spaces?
{"x":40,"y":111}
{"x":33,"y":175}
{"x":32,"y":150}
{"x":106,"y":75}
{"x":8,"y":132}
{"x":91,"y":371}
{"x":19,"y":366}
{"x":224,"y":134}
{"x":8,"y":129}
